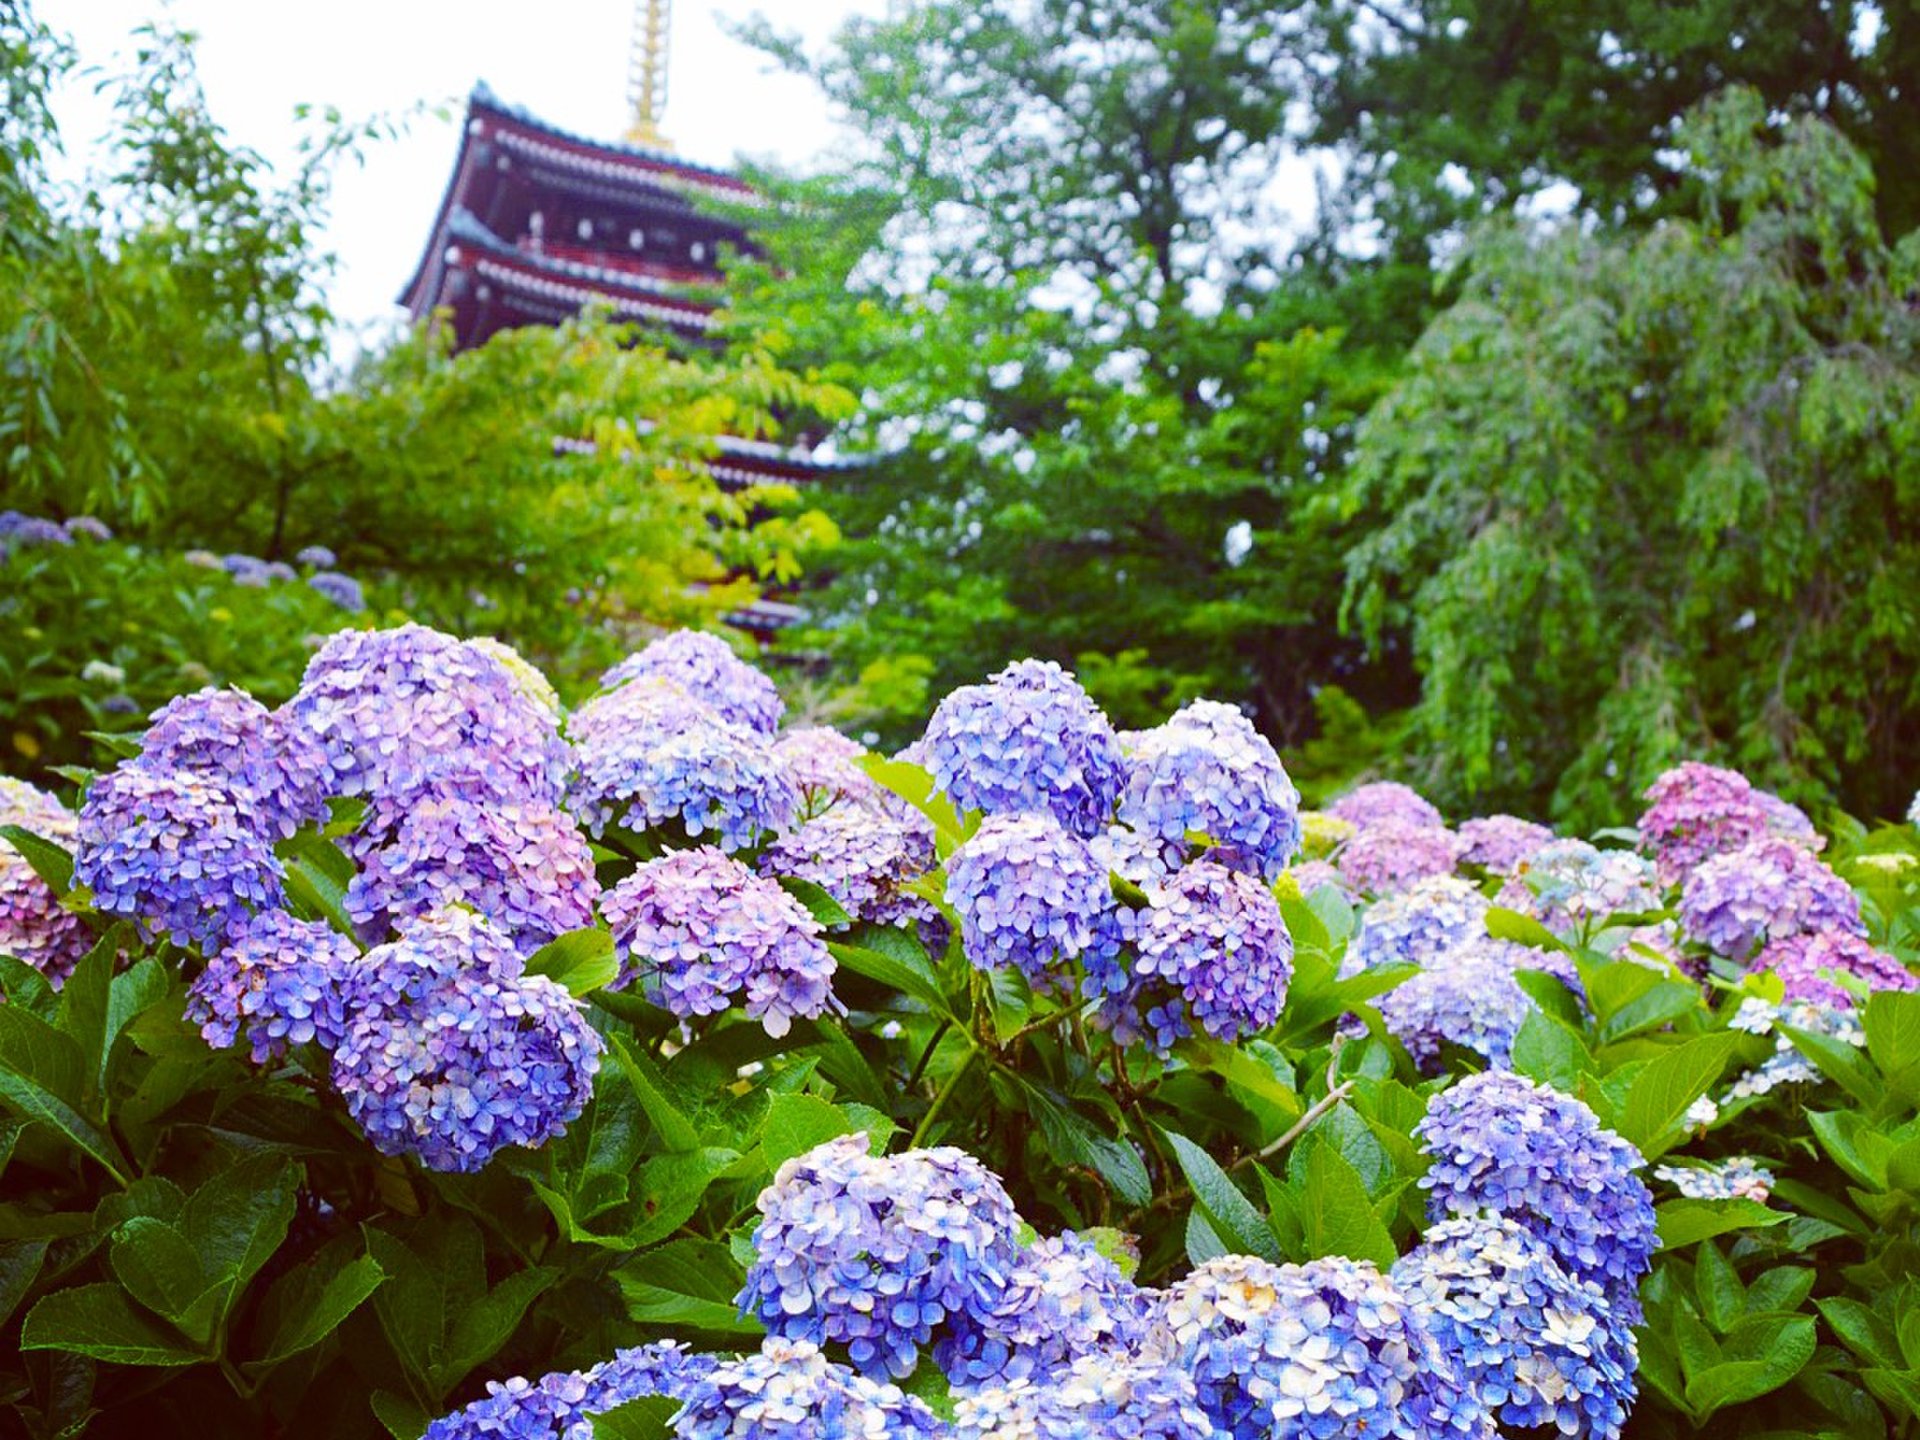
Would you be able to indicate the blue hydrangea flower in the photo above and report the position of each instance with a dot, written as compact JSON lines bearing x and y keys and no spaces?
{"x":1389,"y":856}
{"x":790,"y":1391}
{"x":824,"y":766}
{"x":277,"y":985}
{"x":34,"y":926}
{"x":451,"y":1052}
{"x":86,"y":527}
{"x":1502,"y":1143}
{"x":1143,"y":859}
{"x":1570,"y":886}
{"x":180,"y":856}
{"x":1538,"y":1349}
{"x":231,"y":738}
{"x":1467,"y":998}
{"x":1500,"y":844}
{"x":527,"y":867}
{"x":561,"y":1406}
{"x":1740,"y":1177}
{"x":525,"y":676}
{"x":1211,"y":952}
{"x":1736,"y":902}
{"x":1329,"y":1348}
{"x":409,"y":712}
{"x":650,"y":756}
{"x":699,"y":931}
{"x":1386,"y":802}
{"x":1208,"y":770}
{"x":706,"y":668}
{"x":23,"y":532}
{"x":1063,"y":1301}
{"x":1415,"y":925}
{"x":317,"y":557}
{"x":884,"y":1254}
{"x":342,"y":590}
{"x":1029,"y":894}
{"x":864,"y":859}
{"x":1030,"y":739}
{"x":1105,"y":1396}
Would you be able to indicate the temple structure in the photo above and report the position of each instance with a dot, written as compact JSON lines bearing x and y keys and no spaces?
{"x":537,"y":223}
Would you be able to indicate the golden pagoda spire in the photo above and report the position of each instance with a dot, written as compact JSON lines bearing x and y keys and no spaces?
{"x":647,"y":72}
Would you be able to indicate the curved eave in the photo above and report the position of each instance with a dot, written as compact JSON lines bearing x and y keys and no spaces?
{"x":518,"y":273}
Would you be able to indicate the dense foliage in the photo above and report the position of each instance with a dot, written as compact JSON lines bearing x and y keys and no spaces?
{"x":729,"y":1080}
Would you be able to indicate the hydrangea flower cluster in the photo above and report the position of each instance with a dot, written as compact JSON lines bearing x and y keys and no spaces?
{"x":649,"y":756}
{"x":34,"y":926}
{"x":1467,"y":998}
{"x":230,"y":738}
{"x":790,"y":1391}
{"x":1389,"y":855}
{"x":1501,"y":844}
{"x":526,"y":678}
{"x":277,"y":985}
{"x":699,"y":929}
{"x":1064,"y":1300}
{"x":1570,"y":884}
{"x":1311,"y":875}
{"x":1803,"y":963}
{"x":1696,"y":811}
{"x":1763,"y":892}
{"x":706,"y":668}
{"x":1386,"y":802}
{"x":561,"y":1406}
{"x":1210,"y":952}
{"x":523,"y":865}
{"x":182,"y":857}
{"x":824,"y":766}
{"x":864,"y":860}
{"x":451,"y":1052}
{"x":884,"y":1254}
{"x":1538,"y":1349}
{"x":1098,"y":1397}
{"x":1029,"y":894}
{"x":342,"y":590}
{"x":1504,"y":1144}
{"x":1737,"y":1178}
{"x":1321,"y":834}
{"x":410,"y":711}
{"x":1208,"y":770}
{"x":1414,"y":925}
{"x":1328,"y":1348}
{"x":1787,"y":1066}
{"x":25,"y":532}
{"x":1031,"y":739}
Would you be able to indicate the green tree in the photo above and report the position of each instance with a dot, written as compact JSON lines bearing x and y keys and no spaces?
{"x":1099,"y":399}
{"x":1654,"y":496}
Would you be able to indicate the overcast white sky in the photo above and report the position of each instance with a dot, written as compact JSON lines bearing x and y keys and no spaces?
{"x":565,"y":60}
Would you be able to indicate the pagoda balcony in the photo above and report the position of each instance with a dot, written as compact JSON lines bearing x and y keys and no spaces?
{"x":592,"y":257}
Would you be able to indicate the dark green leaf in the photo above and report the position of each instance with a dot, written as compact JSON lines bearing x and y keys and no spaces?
{"x":1662,"y":1093}
{"x":310,"y":1302}
{"x":42,"y":1076}
{"x":648,"y":1418}
{"x":49,"y":861}
{"x":820,"y":904}
{"x":1687,"y":1222}
{"x":1228,"y":1212}
{"x":797,"y":1123}
{"x":99,"y":1321}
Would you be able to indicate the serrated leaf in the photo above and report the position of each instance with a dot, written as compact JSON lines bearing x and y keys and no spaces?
{"x":1504,"y":924}
{"x":795,"y":1124}
{"x":309,"y":1303}
{"x":1228,"y":1212}
{"x":1761,"y":1356}
{"x":831,"y":914}
{"x":581,"y":960}
{"x":1687,"y":1222}
{"x":480,"y":1329}
{"x":648,"y":1418}
{"x":1336,"y":1214}
{"x":42,"y":1076}
{"x":676,"y":1131}
{"x":916,"y":980}
{"x":1548,"y":1051}
{"x":51,"y":862}
{"x":1663,"y":1092}
{"x":686,"y":1284}
{"x":99,"y":1321}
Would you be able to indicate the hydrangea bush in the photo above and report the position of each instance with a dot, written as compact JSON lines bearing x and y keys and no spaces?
{"x":422,"y":1055}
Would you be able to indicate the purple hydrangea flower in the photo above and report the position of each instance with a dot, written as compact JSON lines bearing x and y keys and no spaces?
{"x":87,"y":527}
{"x":34,"y":926}
{"x":1029,"y":894}
{"x":408,"y":712}
{"x":1143,"y":859}
{"x":1467,"y":998}
{"x":1311,"y":875}
{"x":278,"y":985}
{"x":451,"y":1052}
{"x":230,"y":738}
{"x":1503,"y":1144}
{"x":700,"y":930}
{"x":824,"y":766}
{"x":21,"y":532}
{"x":1415,"y":925}
{"x":1539,"y":1349}
{"x":1501,"y":843}
{"x":1694,"y":812}
{"x":864,"y":860}
{"x":1030,"y":739}
{"x":1569,"y":886}
{"x":248,"y":570}
{"x":526,"y":867}
{"x":1211,"y":952}
{"x":1063,"y":1301}
{"x":1388,"y":855}
{"x":884,"y":1254}
{"x":790,"y":1391}
{"x":1788,"y":821}
{"x":342,"y":590}
{"x":317,"y":557}
{"x":183,"y":857}
{"x":707,"y":669}
{"x":525,"y":676}
{"x":1329,"y":1348}
{"x":650,"y":756}
{"x":1763,"y":892}
{"x":1208,"y":770}
{"x":1109,"y":1395}
{"x":1802,"y":960}
{"x":1386,"y":802}
{"x":561,"y":1406}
